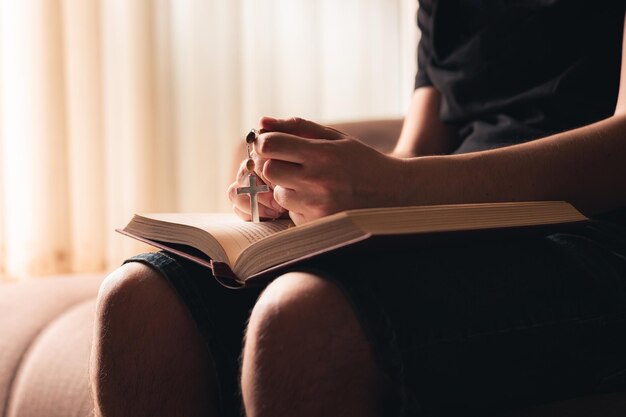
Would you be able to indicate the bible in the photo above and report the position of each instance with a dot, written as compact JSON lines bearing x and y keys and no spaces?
{"x":240,"y":253}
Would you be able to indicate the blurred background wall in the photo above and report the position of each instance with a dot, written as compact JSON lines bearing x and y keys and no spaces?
{"x":112,"y":107}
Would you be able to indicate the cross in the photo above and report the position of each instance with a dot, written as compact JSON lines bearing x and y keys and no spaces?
{"x":253,"y":189}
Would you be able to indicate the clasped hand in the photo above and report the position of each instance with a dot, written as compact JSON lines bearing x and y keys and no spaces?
{"x":314,"y":171}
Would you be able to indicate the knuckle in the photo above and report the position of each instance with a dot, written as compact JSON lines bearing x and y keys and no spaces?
{"x":269,"y":170}
{"x":325,"y":189}
{"x":232,"y":191}
{"x":323,"y":185}
{"x":324,"y":151}
{"x":265,"y":143}
{"x":314,"y":177}
{"x":260,"y":173}
{"x":280,"y":195}
{"x":258,"y":163}
{"x":241,"y":174}
{"x":324,"y":209}
{"x":297,"y":121}
{"x":266,"y":200}
{"x":320,"y":212}
{"x":325,"y":203}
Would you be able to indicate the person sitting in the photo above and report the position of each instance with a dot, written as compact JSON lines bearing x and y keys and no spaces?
{"x":514,"y":101}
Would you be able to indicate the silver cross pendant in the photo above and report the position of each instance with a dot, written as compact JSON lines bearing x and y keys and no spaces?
{"x":253,"y":189}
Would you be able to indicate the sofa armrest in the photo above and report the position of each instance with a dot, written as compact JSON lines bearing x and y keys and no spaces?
{"x":379,"y":134}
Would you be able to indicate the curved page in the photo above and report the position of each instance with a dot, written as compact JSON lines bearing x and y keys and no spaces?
{"x":232,"y":233}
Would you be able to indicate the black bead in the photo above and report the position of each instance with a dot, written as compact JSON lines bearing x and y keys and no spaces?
{"x":251,"y":137}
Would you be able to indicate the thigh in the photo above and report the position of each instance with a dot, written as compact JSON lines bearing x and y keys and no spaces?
{"x":220,"y":314}
{"x":486,"y":327}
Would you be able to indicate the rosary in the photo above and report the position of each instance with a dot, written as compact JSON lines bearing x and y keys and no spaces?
{"x":253,"y":189}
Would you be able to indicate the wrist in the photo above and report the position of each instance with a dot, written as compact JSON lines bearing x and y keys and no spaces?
{"x":430,"y":180}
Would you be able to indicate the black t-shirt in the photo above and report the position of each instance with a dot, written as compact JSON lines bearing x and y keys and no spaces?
{"x":511,"y":71}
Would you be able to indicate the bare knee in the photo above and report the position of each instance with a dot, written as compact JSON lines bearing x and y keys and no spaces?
{"x":303,"y":341}
{"x":132,"y":290}
{"x":302,"y":304}
{"x":127,"y":302}
{"x":145,"y":344}
{"x":126,"y":316}
{"x":296,"y":302}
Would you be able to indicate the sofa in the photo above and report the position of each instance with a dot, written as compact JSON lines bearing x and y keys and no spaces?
{"x":46,"y":329}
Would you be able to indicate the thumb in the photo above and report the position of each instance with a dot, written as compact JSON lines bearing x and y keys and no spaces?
{"x":300,"y":127}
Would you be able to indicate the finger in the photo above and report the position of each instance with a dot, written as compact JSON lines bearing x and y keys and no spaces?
{"x":287,"y":174}
{"x":242,"y":215}
{"x":242,"y":203}
{"x":267,"y":200}
{"x":297,"y":218}
{"x":242,"y":172}
{"x":289,"y":199}
{"x":283,"y":146}
{"x":300,"y":127}
{"x":246,"y":216}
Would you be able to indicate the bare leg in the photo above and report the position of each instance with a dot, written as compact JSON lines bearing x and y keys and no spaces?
{"x":306,"y":355}
{"x":148,"y":358}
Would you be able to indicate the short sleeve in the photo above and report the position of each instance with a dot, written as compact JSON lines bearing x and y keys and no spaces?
{"x":423,"y":49}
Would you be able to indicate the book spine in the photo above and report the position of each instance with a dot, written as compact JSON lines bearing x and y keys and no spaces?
{"x":225,"y":276}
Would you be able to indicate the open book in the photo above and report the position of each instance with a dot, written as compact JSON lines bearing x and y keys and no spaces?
{"x":237,"y":251}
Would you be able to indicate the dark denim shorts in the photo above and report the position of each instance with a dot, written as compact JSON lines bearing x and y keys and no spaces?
{"x":465,"y":329}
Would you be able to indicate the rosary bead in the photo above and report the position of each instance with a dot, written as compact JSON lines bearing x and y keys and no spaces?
{"x":251,"y":137}
{"x":250,"y":165}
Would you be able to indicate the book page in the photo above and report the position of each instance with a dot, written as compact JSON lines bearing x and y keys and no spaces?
{"x":230,"y":231}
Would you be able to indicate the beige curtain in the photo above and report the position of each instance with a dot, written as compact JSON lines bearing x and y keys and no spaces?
{"x":113,"y":107}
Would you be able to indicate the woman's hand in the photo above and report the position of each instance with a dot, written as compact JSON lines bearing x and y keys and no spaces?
{"x":268,"y":207}
{"x":316,"y":170}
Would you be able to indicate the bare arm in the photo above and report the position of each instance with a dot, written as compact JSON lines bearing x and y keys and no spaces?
{"x":585,"y":166}
{"x":314,"y":178}
{"x":423,"y":133}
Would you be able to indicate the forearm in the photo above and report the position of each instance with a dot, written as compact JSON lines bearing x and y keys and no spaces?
{"x":423,"y":133}
{"x":585,"y":166}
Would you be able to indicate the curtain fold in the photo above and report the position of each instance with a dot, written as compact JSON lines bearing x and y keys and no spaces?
{"x":129,"y":116}
{"x":83,"y":92}
{"x":34,"y":142}
{"x":111,"y":107}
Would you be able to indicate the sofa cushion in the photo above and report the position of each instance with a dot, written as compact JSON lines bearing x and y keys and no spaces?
{"x":27,"y":309}
{"x":53,"y":380}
